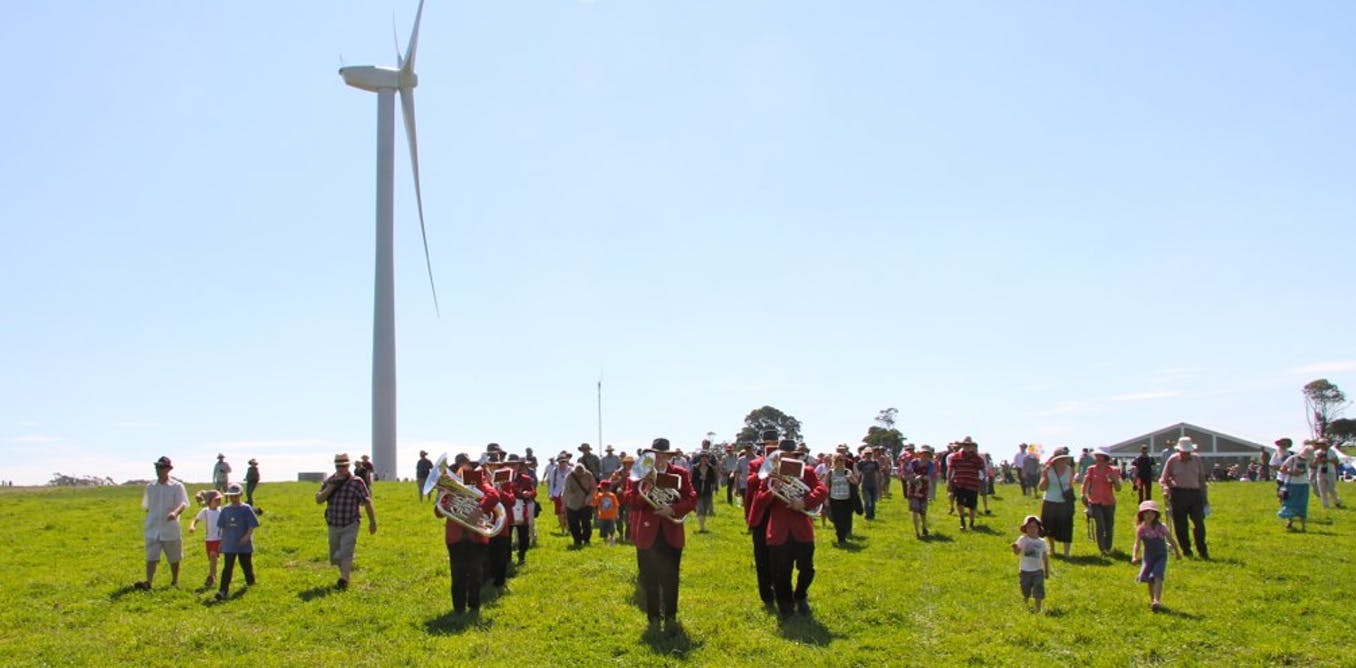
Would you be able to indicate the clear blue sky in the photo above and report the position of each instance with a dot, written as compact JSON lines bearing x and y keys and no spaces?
{"x":1061,"y":223}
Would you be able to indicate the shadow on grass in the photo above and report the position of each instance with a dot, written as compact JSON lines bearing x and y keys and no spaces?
{"x":316,"y":592}
{"x":123,"y":591}
{"x":212,"y":601}
{"x":1088,"y":560}
{"x":1051,"y":612}
{"x":1170,"y":612}
{"x":806,"y":630}
{"x":673,"y":640}
{"x":984,"y":529}
{"x":849,"y":546}
{"x":934,"y":537}
{"x":452,"y":623}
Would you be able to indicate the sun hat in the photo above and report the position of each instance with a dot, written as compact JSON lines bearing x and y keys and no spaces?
{"x":585,"y":447}
{"x":928,"y":449}
{"x":253,"y":462}
{"x":163,"y":462}
{"x":1284,"y":442}
{"x":1102,"y":452}
{"x":660,"y":444}
{"x":1028,"y":520}
{"x":341,"y":458}
{"x":1145,"y":507}
{"x":234,"y":489}
{"x":1060,"y":453}
{"x":1185,"y":444}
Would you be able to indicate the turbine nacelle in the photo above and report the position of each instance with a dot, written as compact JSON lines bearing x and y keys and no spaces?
{"x":374,"y":78}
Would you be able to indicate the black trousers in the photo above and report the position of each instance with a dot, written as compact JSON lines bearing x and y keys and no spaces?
{"x":729,"y":492}
{"x":467,"y":561}
{"x":500,"y":548}
{"x":581,"y":524}
{"x":840,"y":513}
{"x":246,"y":565}
{"x":524,"y":539}
{"x":1145,"y":490}
{"x":1189,"y":503}
{"x":784,"y":557}
{"x":761,"y":563}
{"x":659,"y":578}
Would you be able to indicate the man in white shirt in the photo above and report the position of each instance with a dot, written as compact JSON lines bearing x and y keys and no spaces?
{"x":221,"y":474}
{"x":1277,"y":459}
{"x":164,"y":501}
{"x":555,"y":487}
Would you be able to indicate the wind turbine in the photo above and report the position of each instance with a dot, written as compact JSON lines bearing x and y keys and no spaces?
{"x":386,"y":83}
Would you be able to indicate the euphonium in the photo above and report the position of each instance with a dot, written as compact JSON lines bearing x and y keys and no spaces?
{"x":789,"y":488}
{"x":460,"y":502}
{"x":643,"y":474}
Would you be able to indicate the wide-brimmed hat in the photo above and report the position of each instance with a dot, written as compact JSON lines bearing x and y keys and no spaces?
{"x":769,"y":436}
{"x":660,"y":444}
{"x":513,"y":459}
{"x":341,"y":458}
{"x":1284,"y":442}
{"x":164,"y":463}
{"x":220,"y":456}
{"x":843,"y":447}
{"x":909,"y":447}
{"x":423,"y":453}
{"x":1185,"y":444}
{"x":1060,"y":453}
{"x":928,"y":449}
{"x":607,"y":449}
{"x":1028,"y":520}
{"x":234,"y":489}
{"x":1102,"y":452}
{"x":585,"y":447}
{"x":786,"y":445}
{"x":1145,"y":507}
{"x":253,"y":462}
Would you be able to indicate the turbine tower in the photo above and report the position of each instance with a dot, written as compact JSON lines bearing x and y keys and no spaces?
{"x":386,"y":83}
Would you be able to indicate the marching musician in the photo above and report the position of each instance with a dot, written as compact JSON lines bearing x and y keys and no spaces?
{"x":659,"y":535}
{"x":466,"y":549}
{"x":758,"y":521}
{"x":501,"y":544}
{"x":790,"y":535}
{"x":524,"y":493}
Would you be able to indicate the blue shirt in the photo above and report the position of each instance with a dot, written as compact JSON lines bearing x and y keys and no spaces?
{"x":234,"y":522}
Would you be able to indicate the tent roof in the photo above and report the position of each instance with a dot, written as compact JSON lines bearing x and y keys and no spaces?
{"x":1209,"y":443}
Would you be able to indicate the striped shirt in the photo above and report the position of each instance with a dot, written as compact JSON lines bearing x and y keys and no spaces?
{"x":964,"y":468}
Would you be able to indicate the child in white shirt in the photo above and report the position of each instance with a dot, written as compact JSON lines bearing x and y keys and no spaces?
{"x":210,"y":498}
{"x":1034,"y":565}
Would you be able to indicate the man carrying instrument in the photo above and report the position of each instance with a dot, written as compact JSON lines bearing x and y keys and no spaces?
{"x":659,"y":533}
{"x":758,"y":521}
{"x":790,"y":532}
{"x":524,"y":497}
{"x":500,"y":477}
{"x":466,"y":549}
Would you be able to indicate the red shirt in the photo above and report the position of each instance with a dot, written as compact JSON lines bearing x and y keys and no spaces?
{"x":455,"y":533}
{"x":646,"y":525}
{"x":1099,"y":484}
{"x":783,"y":523}
{"x":963,"y":468}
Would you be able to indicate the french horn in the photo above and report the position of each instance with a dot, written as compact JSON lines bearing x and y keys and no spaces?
{"x":460,"y":502}
{"x":788,"y":489}
{"x":643,"y":475}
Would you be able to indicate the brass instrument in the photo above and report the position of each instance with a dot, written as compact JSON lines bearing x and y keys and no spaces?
{"x":643,"y":475}
{"x":460,"y":502}
{"x":788,"y":488}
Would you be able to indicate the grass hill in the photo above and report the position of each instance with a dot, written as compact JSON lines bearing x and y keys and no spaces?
{"x":1268,"y":597}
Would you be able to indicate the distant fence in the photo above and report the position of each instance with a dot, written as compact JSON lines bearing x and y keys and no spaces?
{"x":311,"y":476}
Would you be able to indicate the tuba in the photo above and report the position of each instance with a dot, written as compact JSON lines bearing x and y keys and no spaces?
{"x":643,"y":475}
{"x":460,"y":502}
{"x":788,"y":488}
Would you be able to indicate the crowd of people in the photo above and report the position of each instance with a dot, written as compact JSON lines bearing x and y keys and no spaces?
{"x":489,"y":508}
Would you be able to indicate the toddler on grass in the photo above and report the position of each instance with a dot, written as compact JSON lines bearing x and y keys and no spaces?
{"x":210,"y":498}
{"x":1034,"y":565}
{"x":1152,"y":539}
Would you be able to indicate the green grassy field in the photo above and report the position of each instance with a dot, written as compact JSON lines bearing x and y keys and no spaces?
{"x":1268,"y":597}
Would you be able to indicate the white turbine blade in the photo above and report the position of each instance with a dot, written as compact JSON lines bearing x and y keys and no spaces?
{"x":395,"y":41}
{"x":407,"y":108}
{"x":414,"y":39}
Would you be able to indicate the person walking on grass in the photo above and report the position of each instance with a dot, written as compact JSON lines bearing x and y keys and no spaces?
{"x":790,"y":536}
{"x":211,"y":500}
{"x":422,"y":469}
{"x":1033,"y":566}
{"x":1101,"y":482}
{"x":164,"y":501}
{"x":1295,"y":494}
{"x":555,"y":488}
{"x":221,"y":473}
{"x":964,"y":471}
{"x":704,"y":478}
{"x":578,"y":497}
{"x":659,"y":536}
{"x":1144,"y":474}
{"x":1185,"y":480}
{"x":606,"y":507}
{"x":1152,"y":540}
{"x":1057,"y":504}
{"x":467,"y":551}
{"x":1325,"y":464}
{"x":343,"y":493}
{"x":869,"y":470}
{"x":1278,"y":458}
{"x":251,"y":482}
{"x":237,"y":523}
{"x":840,"y":480}
{"x":916,"y":490}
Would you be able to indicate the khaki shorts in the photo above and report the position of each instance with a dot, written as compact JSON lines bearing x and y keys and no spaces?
{"x":342,"y":542}
{"x":174,"y":550}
